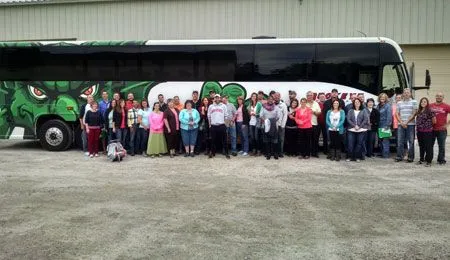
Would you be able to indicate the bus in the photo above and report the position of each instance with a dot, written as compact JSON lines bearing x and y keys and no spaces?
{"x":43,"y":84}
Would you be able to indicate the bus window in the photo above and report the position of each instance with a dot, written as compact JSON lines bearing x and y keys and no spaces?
{"x":283,"y":62}
{"x":168,"y":63}
{"x":224,"y":62}
{"x":100,"y":63}
{"x":18,"y":63}
{"x":353,"y":65}
{"x":61,"y":63}
{"x":393,"y":80}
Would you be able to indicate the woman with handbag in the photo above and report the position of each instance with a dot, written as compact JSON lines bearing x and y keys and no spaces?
{"x":385,"y":123}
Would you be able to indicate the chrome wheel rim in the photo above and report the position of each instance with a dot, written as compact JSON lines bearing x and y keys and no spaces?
{"x":54,"y":136}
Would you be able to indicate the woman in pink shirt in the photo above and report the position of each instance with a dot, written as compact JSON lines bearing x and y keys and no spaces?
{"x":156,"y":141}
{"x":303,"y":116}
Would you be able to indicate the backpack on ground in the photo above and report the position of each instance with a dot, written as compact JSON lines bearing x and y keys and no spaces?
{"x":115,"y":150}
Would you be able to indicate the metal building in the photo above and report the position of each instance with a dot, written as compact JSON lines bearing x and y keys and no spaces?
{"x":420,"y":26}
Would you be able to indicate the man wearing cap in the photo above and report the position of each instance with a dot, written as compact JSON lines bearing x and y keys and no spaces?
{"x":217,"y":115}
{"x":230,"y":123}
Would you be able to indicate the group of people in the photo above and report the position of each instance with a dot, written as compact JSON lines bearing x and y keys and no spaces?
{"x":266,"y":125}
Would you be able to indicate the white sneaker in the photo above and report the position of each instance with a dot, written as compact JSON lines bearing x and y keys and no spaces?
{"x":244,"y":154}
{"x":91,"y":155}
{"x":96,"y":155}
{"x":241,"y":152}
{"x":86,"y":153}
{"x":358,"y":160}
{"x":347,"y":160}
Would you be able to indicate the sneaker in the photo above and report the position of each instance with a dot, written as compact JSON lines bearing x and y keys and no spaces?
{"x":192,"y":154}
{"x":442,"y":162}
{"x":152,"y":156}
{"x":306,"y":157}
{"x":358,"y":160}
{"x":186,"y":155}
{"x":244,"y":154}
{"x":96,"y":155}
{"x":144,"y":154}
{"x":86,"y":153}
{"x":410,"y":161}
{"x":227,"y":156}
{"x":428,"y":164}
{"x":420,"y":162}
{"x":398,"y":160}
{"x":91,"y":155}
{"x":347,"y":160}
{"x":234,"y":153}
{"x":240,"y":152}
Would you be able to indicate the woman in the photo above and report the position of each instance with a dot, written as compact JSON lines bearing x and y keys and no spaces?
{"x":109,"y":120}
{"x":385,"y":122}
{"x":335,"y":119}
{"x":120,"y":122}
{"x":425,"y":119}
{"x":172,"y":127}
{"x":374,"y":119}
{"x":156,"y":143}
{"x":357,"y":126}
{"x":303,"y":116}
{"x":189,"y":119}
{"x":291,"y":131}
{"x":253,"y":123}
{"x":93,"y":121}
{"x":142,"y":134}
{"x":242,"y":125}
{"x":203,"y":129}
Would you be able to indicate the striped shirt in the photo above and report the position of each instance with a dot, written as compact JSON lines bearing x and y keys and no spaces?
{"x":406,"y":108}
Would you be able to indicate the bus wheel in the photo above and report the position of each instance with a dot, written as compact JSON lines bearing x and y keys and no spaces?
{"x":55,"y":135}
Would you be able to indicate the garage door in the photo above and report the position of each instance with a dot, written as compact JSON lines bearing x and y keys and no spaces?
{"x":435,"y":58}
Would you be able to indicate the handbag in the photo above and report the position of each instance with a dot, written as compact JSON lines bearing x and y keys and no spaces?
{"x":384,"y":132}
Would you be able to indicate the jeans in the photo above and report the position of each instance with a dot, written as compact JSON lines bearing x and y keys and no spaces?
{"x":385,"y":147}
{"x":133,"y":138}
{"x":218,"y":135}
{"x":252,"y":136}
{"x":440,"y":136}
{"x":189,"y":136}
{"x":231,"y":130}
{"x":121,"y":134}
{"x":142,"y":140}
{"x":315,"y":140}
{"x":84,"y":140}
{"x":281,"y":139}
{"x":370,"y":142}
{"x":405,"y":135}
{"x":355,"y":143}
{"x":304,"y":141}
{"x":425,"y":140}
{"x":242,"y":131}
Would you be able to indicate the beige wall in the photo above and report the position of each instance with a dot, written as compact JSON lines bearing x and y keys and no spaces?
{"x":435,"y":58}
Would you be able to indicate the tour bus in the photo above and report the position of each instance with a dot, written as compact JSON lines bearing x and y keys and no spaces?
{"x":43,"y":84}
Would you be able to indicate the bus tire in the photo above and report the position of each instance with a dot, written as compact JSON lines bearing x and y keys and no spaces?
{"x":55,"y":135}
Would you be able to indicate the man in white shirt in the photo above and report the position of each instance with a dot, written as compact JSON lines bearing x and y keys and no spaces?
{"x":83,"y":111}
{"x":217,"y":115}
{"x":281,"y":123}
{"x":315,"y":107}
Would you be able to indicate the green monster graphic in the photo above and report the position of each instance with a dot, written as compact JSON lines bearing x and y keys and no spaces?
{"x":49,"y":110}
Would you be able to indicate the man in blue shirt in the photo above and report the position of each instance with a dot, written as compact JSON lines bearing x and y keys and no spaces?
{"x":104,"y":103}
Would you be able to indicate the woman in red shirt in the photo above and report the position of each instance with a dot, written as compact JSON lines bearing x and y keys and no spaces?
{"x":303,"y":117}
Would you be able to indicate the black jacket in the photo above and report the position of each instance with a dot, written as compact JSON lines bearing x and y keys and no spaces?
{"x":245,"y":116}
{"x":117,"y":118}
{"x":374,"y":119}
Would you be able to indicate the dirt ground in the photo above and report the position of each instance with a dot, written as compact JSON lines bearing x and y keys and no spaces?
{"x":66,"y":206}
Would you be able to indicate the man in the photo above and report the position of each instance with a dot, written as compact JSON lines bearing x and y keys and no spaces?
{"x":406,"y":111}
{"x":102,"y":107}
{"x":270,"y":114}
{"x":83,"y":110}
{"x":212,"y":94}
{"x":133,"y":126}
{"x":231,"y":123}
{"x":104,"y":103}
{"x":328,"y":103}
{"x":129,"y":102}
{"x":314,"y":106}
{"x":349,"y":106}
{"x":441,"y":111}
{"x":322,"y":124}
{"x":272,"y":93}
{"x":217,"y":115}
{"x":363,"y":102}
{"x":197,"y":102}
{"x":281,"y":123}
{"x":162,"y":105}
{"x":116,"y":97}
{"x":176,"y":102}
{"x":292,"y":96}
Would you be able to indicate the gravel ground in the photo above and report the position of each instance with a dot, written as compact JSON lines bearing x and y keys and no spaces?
{"x":66,"y":206}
